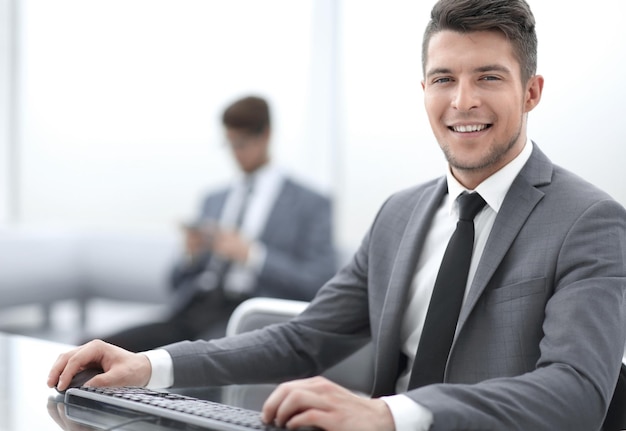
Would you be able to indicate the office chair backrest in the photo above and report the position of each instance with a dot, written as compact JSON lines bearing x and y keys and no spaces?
{"x":354,"y":372}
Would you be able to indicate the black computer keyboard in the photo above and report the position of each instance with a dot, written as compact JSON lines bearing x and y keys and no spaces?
{"x":175,"y":407}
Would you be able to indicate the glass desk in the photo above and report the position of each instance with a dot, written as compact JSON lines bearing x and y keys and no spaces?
{"x":27,"y":404}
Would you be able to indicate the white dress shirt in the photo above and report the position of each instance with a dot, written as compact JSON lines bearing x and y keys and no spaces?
{"x":408,"y":415}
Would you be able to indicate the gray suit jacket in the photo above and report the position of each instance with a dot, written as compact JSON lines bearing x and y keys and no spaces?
{"x":298,"y":238}
{"x":541,"y":334}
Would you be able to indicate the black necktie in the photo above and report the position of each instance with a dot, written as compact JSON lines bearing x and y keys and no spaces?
{"x":445,"y":303}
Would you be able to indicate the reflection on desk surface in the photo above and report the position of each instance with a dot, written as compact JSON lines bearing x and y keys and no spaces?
{"x":140,"y":409}
{"x":24,"y":366}
{"x":94,"y":415}
{"x":76,"y":418}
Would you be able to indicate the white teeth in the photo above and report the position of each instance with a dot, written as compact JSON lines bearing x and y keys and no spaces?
{"x":469,"y":128}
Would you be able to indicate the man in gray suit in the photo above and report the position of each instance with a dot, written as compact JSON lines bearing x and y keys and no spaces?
{"x":264,"y":235}
{"x":540,"y":335}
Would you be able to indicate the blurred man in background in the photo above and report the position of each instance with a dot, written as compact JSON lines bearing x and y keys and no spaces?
{"x":264,"y":235}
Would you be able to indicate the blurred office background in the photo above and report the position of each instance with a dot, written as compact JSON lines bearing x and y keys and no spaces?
{"x":109,"y":109}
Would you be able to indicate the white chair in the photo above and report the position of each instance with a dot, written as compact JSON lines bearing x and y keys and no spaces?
{"x":355,"y":372}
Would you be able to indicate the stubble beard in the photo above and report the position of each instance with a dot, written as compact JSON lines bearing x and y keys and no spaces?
{"x":496,"y":152}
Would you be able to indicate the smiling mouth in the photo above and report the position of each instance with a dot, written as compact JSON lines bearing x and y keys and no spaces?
{"x":469,"y":128}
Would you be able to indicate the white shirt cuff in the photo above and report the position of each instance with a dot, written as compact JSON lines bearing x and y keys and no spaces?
{"x":256,"y":256}
{"x":162,"y":369}
{"x":407,"y":414}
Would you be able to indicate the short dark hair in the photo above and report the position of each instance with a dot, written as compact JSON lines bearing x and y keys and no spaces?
{"x":512,"y":17}
{"x":250,"y":114}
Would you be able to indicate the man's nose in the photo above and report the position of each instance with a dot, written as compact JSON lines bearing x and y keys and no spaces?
{"x":466,"y":96}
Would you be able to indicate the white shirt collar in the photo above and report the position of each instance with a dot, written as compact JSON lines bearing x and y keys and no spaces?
{"x":493,"y":189}
{"x":266,"y":174}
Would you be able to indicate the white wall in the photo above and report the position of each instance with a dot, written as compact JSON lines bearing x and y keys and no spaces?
{"x":583,"y":59}
{"x":6,"y":53}
{"x":387,"y":143}
{"x":120,"y":101}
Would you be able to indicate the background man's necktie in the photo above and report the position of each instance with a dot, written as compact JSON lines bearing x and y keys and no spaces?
{"x":221,"y":266}
{"x":445,"y":303}
{"x":248,"y":187}
{"x":212,"y":278}
{"x":218,"y":267}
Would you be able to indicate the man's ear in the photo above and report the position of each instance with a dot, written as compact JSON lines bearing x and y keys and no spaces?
{"x":265,"y":134}
{"x":534,"y":88}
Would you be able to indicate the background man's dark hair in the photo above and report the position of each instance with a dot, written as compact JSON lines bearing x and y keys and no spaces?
{"x":250,"y":114}
{"x":512,"y":17}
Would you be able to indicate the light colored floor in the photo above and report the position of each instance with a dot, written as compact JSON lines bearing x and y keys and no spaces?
{"x":104,"y":317}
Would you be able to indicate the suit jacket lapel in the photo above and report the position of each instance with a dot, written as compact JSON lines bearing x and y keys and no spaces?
{"x":518,"y":204}
{"x":401,"y":277}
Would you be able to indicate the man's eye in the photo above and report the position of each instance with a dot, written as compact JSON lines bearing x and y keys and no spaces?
{"x":442,"y":80}
{"x":490,"y":78}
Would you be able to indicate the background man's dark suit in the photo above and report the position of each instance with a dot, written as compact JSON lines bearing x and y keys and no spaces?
{"x":298,"y":237}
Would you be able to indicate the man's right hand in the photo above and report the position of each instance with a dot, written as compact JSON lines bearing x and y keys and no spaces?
{"x":121,"y":367}
{"x":198,"y":239}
